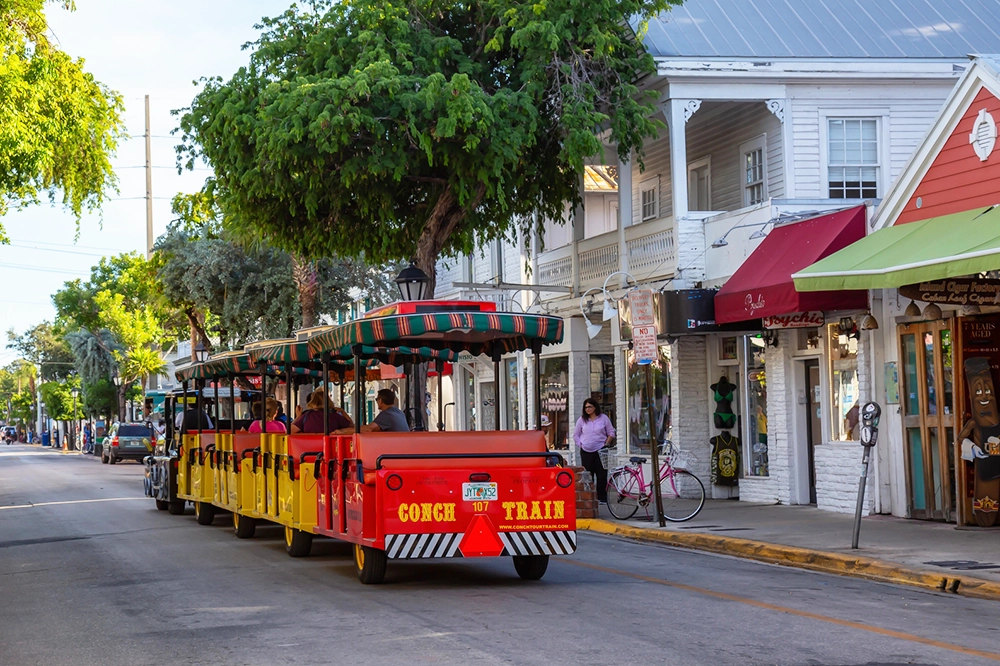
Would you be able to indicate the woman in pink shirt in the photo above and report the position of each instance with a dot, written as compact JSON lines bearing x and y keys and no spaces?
{"x":592,"y":433}
{"x":272,"y":411}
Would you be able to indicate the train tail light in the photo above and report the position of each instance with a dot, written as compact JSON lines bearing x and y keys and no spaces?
{"x":394,"y":482}
{"x":564,"y":479}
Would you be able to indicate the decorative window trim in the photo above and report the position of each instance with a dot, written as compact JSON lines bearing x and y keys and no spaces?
{"x":881,"y":115}
{"x":693,"y":166}
{"x":757,"y":143}
{"x":647,"y":185}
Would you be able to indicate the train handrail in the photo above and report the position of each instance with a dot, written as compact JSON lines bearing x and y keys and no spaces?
{"x":191,"y":453}
{"x":548,"y":455}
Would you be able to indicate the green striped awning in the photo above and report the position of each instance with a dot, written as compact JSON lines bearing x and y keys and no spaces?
{"x":966,"y":243}
{"x":474,"y":332}
{"x":298,"y":352}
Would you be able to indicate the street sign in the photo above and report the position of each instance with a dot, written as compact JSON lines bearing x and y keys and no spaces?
{"x":644,"y":343}
{"x":640,"y":304}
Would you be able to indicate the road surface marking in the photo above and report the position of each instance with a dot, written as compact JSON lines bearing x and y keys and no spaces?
{"x":993,"y":656}
{"x":88,"y":501}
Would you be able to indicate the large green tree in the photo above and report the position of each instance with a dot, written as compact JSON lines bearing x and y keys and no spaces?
{"x":45,"y":346}
{"x":398,"y":130}
{"x":58,"y":125}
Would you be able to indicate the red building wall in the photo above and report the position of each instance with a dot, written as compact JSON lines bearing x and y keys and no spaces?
{"x":957,"y":180}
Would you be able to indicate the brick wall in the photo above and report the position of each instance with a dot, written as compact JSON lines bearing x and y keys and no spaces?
{"x":690,"y":404}
{"x":586,"y":493}
{"x":838,"y":464}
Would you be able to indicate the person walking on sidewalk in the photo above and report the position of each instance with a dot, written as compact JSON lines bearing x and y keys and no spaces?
{"x":592,"y":433}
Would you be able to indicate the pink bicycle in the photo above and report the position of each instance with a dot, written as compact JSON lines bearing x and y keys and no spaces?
{"x":683,"y":493}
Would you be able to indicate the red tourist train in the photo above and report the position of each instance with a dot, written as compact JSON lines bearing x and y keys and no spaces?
{"x":394,"y":495}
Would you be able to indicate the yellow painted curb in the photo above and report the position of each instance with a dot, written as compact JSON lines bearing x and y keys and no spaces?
{"x":802,"y":558}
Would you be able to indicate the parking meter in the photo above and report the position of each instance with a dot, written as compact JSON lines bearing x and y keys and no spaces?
{"x":870,"y":414}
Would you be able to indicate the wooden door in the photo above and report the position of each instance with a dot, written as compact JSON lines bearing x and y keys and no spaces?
{"x":928,"y":414}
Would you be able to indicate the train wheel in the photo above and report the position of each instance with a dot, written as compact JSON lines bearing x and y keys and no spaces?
{"x":204,"y":513}
{"x":176,"y":507}
{"x":531,"y":567}
{"x":244,"y":526}
{"x":370,"y":563}
{"x":162,"y":505}
{"x":297,"y":542}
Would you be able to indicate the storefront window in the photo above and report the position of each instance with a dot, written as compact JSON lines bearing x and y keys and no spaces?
{"x":845,"y":393}
{"x":513,"y":401}
{"x":756,"y":396}
{"x":637,"y":435}
{"x":602,"y":383}
{"x":470,"y":399}
{"x":555,"y":400}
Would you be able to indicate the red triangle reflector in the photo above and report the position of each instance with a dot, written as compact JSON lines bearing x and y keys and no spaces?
{"x":481,"y":539}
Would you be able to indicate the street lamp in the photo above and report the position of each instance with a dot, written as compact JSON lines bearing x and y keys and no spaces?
{"x":200,"y":353}
{"x":412,"y":283}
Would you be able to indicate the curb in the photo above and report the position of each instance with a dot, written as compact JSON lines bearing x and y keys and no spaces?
{"x":802,"y":558}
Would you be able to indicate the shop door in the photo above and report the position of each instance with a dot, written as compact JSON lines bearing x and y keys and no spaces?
{"x":814,"y":421}
{"x":928,"y":403}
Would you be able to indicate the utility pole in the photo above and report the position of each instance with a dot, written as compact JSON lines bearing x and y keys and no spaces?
{"x":149,"y":188}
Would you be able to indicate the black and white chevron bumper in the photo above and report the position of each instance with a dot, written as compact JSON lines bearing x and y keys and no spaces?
{"x":562,"y":542}
{"x":423,"y":546}
{"x":414,"y":546}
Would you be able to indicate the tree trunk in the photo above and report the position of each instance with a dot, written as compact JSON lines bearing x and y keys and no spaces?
{"x":307,"y":283}
{"x":441,"y":223}
{"x":196,"y":322}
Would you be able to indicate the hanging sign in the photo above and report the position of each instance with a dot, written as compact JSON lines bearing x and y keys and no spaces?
{"x":640,"y":305}
{"x":644,"y":343}
{"x":956,"y":291}
{"x":794,"y":320}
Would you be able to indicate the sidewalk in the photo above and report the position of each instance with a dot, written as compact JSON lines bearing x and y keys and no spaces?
{"x":897,"y":550}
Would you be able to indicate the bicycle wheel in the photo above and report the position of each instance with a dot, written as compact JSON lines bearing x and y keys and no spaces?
{"x":683,"y":496}
{"x":623,"y":494}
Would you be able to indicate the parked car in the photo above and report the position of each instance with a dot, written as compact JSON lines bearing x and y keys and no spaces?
{"x":9,"y":434}
{"x":127,"y":441}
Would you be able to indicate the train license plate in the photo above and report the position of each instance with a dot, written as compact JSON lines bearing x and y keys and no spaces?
{"x":479,"y":492}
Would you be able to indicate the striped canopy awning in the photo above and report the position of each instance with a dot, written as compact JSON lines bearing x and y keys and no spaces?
{"x":237,"y":363}
{"x":474,"y":332}
{"x":298,"y":352}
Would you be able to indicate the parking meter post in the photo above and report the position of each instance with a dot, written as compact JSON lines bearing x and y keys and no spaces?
{"x":654,"y":457}
{"x":861,"y":495}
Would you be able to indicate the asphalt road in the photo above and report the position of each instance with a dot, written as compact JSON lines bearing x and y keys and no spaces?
{"x":91,"y":573}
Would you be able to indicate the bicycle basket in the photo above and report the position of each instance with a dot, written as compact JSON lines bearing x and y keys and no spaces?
{"x":608,"y":457}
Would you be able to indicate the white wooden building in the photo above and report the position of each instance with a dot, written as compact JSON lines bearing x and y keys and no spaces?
{"x":773,"y":109}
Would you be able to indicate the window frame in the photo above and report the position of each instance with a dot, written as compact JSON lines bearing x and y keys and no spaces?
{"x":647,"y":185}
{"x":759,"y":142}
{"x":836,"y":418}
{"x":881,"y":116}
{"x":694,"y":165}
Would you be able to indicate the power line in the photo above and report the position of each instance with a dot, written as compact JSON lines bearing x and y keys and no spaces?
{"x":51,"y":249}
{"x":42,"y":270}
{"x":85,"y":247}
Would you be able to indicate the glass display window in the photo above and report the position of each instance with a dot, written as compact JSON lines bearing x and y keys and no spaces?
{"x":554,"y":373}
{"x":637,"y":436}
{"x":845,"y":394}
{"x":756,"y":443}
{"x":513,"y":395}
{"x":602,"y":384}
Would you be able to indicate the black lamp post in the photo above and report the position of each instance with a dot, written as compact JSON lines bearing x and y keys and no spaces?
{"x":117,"y":379}
{"x":412,"y":283}
{"x":200,"y":353}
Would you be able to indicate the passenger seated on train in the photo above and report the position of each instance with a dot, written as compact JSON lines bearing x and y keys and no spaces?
{"x":390,"y":418}
{"x":192,"y":420}
{"x":273,"y":425}
{"x":311,"y":420}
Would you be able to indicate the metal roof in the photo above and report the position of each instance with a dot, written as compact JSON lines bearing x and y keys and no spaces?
{"x":826,"y":29}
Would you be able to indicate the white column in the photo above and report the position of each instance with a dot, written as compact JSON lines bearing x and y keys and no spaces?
{"x":624,"y":214}
{"x":678,"y":154}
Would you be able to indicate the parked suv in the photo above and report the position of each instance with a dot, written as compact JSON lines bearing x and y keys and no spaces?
{"x":127,"y":441}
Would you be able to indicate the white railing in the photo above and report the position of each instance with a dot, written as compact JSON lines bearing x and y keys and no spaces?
{"x":651,"y":249}
{"x":557,"y":270}
{"x":598,"y":259}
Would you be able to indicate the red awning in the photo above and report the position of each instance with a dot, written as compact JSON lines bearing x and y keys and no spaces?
{"x":763,"y":286}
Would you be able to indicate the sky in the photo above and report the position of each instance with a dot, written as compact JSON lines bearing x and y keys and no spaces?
{"x":138,"y":48}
